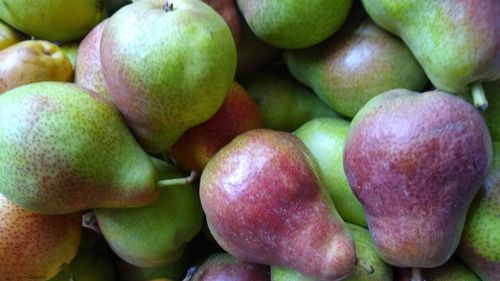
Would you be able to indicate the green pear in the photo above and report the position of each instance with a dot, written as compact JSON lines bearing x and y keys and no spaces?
{"x":356,"y":64}
{"x":456,"y":42}
{"x":94,"y":261}
{"x":370,"y":268}
{"x":480,"y":243}
{"x":66,"y":150}
{"x":294,"y":24}
{"x":492,"y":90}
{"x":452,"y":270}
{"x":168,"y":66}
{"x":284,"y":103}
{"x":156,"y":234}
{"x":71,"y":51}
{"x":33,"y":246}
{"x":33,"y":61}
{"x":325,"y":138}
{"x":53,"y":20}
{"x":174,"y":271}
{"x":8,"y":36}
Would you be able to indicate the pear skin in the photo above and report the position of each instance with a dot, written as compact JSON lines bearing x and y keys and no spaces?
{"x":416,"y":176}
{"x":34,"y":246}
{"x":88,"y":70}
{"x":33,"y":61}
{"x":480,"y":243}
{"x":51,"y":19}
{"x":69,"y":150}
{"x":492,"y":90}
{"x":452,"y":270}
{"x":456,"y":42}
{"x":94,"y":261}
{"x":294,"y":24}
{"x":222,"y":266}
{"x":228,"y":10}
{"x":156,"y":234}
{"x":71,"y":51}
{"x":167,"y":67}
{"x":359,"y":62}
{"x":238,"y":114}
{"x":265,"y":203}
{"x":373,"y":268}
{"x":284,"y":103}
{"x":325,"y":138}
{"x":8,"y":36}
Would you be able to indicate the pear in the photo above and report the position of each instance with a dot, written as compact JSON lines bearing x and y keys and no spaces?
{"x":492,"y":90}
{"x":253,"y":53}
{"x":71,"y":51}
{"x":168,"y":66}
{"x":294,"y":24}
{"x":284,"y":103}
{"x":356,"y":64}
{"x":416,"y":176}
{"x":265,"y":203}
{"x":34,"y":246}
{"x":8,"y":36}
{"x":480,"y":243}
{"x":67,"y":150}
{"x":156,"y":234}
{"x":33,"y":61}
{"x":173,"y":271}
{"x":372,"y":269}
{"x":455,"y":42}
{"x":228,"y":10}
{"x":239,"y":113}
{"x":51,"y":19}
{"x":325,"y":138}
{"x":452,"y":270}
{"x":222,"y":266}
{"x":88,"y":70}
{"x":94,"y":261}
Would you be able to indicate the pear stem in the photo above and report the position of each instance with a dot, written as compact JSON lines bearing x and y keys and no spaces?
{"x":67,"y":270}
{"x":367,"y":267}
{"x":178,"y":181}
{"x":478,"y":96}
{"x":416,"y":274}
{"x":190,"y":273}
{"x":168,"y":7}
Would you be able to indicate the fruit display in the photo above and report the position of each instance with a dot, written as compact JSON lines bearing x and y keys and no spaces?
{"x":249,"y":140}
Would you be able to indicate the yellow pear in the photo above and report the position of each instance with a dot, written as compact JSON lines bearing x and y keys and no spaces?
{"x":35,"y":247}
{"x":8,"y":36}
{"x":33,"y":61}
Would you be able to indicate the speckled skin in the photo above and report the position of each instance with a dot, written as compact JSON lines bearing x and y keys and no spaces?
{"x":8,"y":36}
{"x":167,"y":71}
{"x":224,"y":267}
{"x":294,"y":24}
{"x":415,"y":162}
{"x":239,"y":113}
{"x":365,"y":252}
{"x":156,"y":234}
{"x":455,"y":41}
{"x":253,"y":53}
{"x":359,"y":62}
{"x":88,"y":70}
{"x":68,"y":150}
{"x":33,"y":61}
{"x":265,"y":203}
{"x":480,"y":243}
{"x":284,"y":103}
{"x":34,"y":247}
{"x":51,"y":19}
{"x":452,"y":270}
{"x":228,"y":10}
{"x":325,"y":138}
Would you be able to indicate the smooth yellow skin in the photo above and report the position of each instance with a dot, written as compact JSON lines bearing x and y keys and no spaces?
{"x":8,"y":36}
{"x":33,"y":61}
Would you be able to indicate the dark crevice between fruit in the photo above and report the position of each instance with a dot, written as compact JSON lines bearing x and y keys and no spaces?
{"x":168,"y":7}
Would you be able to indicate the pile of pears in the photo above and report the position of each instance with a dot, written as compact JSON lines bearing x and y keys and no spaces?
{"x":249,"y":140}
